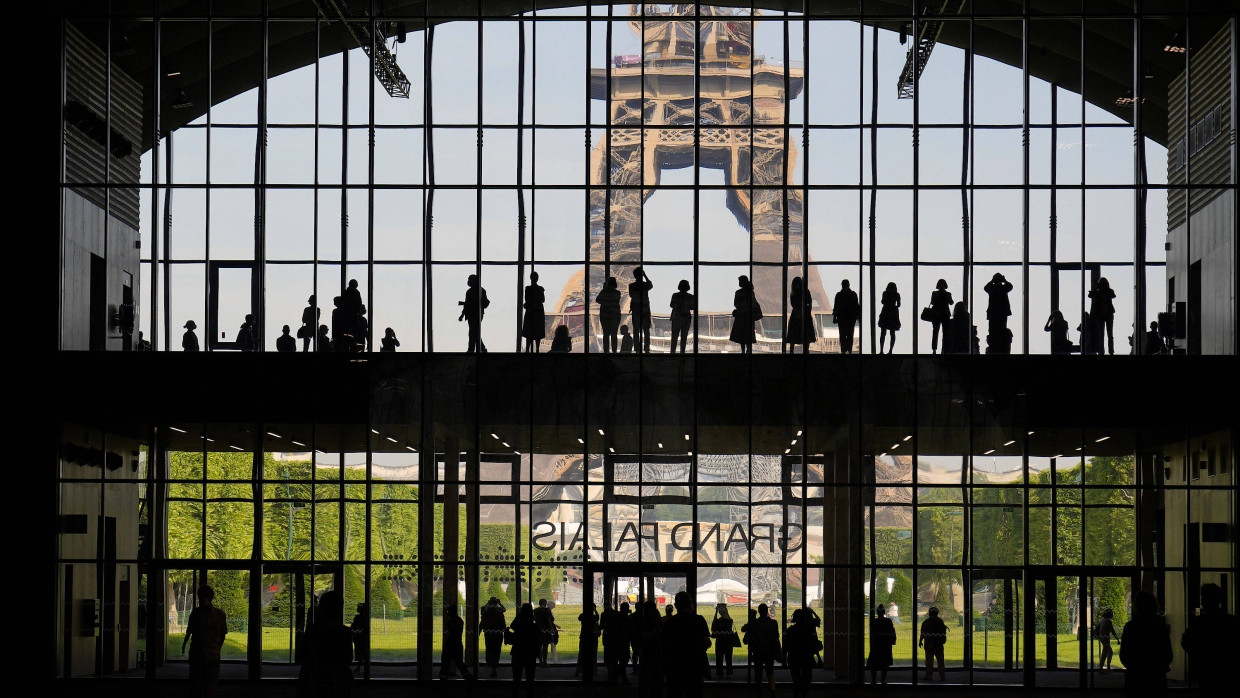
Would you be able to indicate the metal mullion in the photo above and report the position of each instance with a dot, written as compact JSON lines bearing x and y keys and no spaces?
{"x":520,"y":315}
{"x":344,"y":178}
{"x":968,"y":231}
{"x":156,"y":116}
{"x":1141,"y":186}
{"x":697,"y":181}
{"x":868,"y":260}
{"x":1084,"y":148}
{"x":478,"y":200}
{"x":314,"y":269}
{"x":259,"y":272}
{"x":784,"y":185}
{"x":428,"y":189}
{"x":916,"y":210}
{"x":1024,"y":69}
{"x":368,"y":340}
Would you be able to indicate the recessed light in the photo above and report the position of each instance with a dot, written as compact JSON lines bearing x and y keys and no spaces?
{"x":798,"y":432}
{"x":987,"y":453}
{"x":179,"y":431}
{"x":274,"y":435}
{"x":1098,"y":441}
{"x":374,"y":431}
{"x":235,"y":448}
{"x":493,"y":436}
{"x":686,"y":437}
{"x":787,"y":450}
{"x":907,"y":437}
{"x":391,"y":439}
{"x":609,"y":448}
{"x":794,"y":442}
{"x":1029,"y":433}
{"x":1057,"y":455}
{"x":894,"y":447}
{"x":298,"y":443}
{"x":410,"y":448}
{"x":1009,"y":443}
{"x":660,"y":444}
{"x":174,"y":73}
{"x":506,"y":444}
{"x":600,"y":433}
{"x":581,"y":441}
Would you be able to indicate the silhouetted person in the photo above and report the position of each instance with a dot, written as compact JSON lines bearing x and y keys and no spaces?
{"x":143,"y":345}
{"x":453,"y":645}
{"x":328,"y":651}
{"x":683,"y":305}
{"x":846,"y":313}
{"x":472,"y":309}
{"x":650,"y":670}
{"x":189,"y":340}
{"x":587,"y":643}
{"x":1058,"y":327}
{"x":1209,"y":641}
{"x":721,"y":629}
{"x":940,"y":314}
{"x":608,"y":300}
{"x":342,"y":326}
{"x":1102,"y":310}
{"x":801,"y":643}
{"x":958,"y":338}
{"x":615,"y":624}
{"x":932,"y":639}
{"x":764,"y":644}
{"x":207,"y":627}
{"x":546,"y":627}
{"x":755,"y":670}
{"x":309,"y":322}
{"x":1154,"y":343}
{"x":561,"y":343}
{"x":800,"y":317}
{"x":351,"y":298}
{"x":1145,"y":647}
{"x":626,"y":340}
{"x":997,"y":312}
{"x":526,"y":639}
{"x":360,"y":628}
{"x":361,"y":330}
{"x":1104,"y":633}
{"x":285,"y":341}
{"x":889,"y":317}
{"x":389,"y":341}
{"x":639,"y":309}
{"x":491,"y":624}
{"x":246,"y":339}
{"x":745,"y":312}
{"x":882,"y":637}
{"x":686,"y":639}
{"x":324,"y":343}
{"x":534,"y":322}
{"x":668,"y":611}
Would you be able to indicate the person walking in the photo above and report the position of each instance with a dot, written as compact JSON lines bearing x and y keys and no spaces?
{"x":1104,"y":632}
{"x":525,"y":639}
{"x":453,"y":646}
{"x":801,"y":643}
{"x":846,"y":311}
{"x":491,"y":624}
{"x":683,"y":305}
{"x":882,"y":638}
{"x":721,"y":629}
{"x":933,"y":637}
{"x":205,"y":635}
{"x":765,"y":646}
{"x":639,"y":309}
{"x":534,"y":322}
{"x":1145,"y":647}
{"x":940,"y":314}
{"x":745,"y":312}
{"x":889,"y":317}
{"x":608,"y":300}
{"x":246,"y":339}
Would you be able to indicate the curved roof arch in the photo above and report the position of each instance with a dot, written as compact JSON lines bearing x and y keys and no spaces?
{"x":1053,"y":56}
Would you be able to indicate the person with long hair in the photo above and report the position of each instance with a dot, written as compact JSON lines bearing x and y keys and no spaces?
{"x":526,"y":639}
{"x":882,"y":637}
{"x":587,"y":645}
{"x":889,"y":317}
{"x":800,"y":317}
{"x":745,"y":312}
{"x":940,"y":314}
{"x":608,"y":300}
{"x":534,"y":322}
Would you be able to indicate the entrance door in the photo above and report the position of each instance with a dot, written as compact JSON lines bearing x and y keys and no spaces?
{"x":996,"y":625}
{"x":1056,"y":634}
{"x":617,"y":583}
{"x":1108,"y":598}
{"x":289,"y":591}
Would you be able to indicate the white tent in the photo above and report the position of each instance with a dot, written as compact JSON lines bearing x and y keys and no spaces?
{"x":719,"y":590}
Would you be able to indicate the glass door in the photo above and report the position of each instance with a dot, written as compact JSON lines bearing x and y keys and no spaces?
{"x":289,"y":595}
{"x":995,"y":624}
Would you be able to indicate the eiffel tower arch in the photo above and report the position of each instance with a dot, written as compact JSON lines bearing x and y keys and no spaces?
{"x":740,"y":100}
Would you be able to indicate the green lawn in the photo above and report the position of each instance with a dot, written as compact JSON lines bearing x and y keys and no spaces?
{"x":396,"y":641}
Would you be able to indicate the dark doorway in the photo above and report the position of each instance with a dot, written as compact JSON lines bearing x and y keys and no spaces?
{"x":98,"y":303}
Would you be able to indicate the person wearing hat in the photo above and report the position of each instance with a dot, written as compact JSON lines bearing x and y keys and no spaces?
{"x":189,"y":340}
{"x":933,"y":637}
{"x":721,"y":628}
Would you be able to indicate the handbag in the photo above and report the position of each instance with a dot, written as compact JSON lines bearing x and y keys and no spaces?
{"x":509,"y":636}
{"x":734,"y":639}
{"x":927,"y":314}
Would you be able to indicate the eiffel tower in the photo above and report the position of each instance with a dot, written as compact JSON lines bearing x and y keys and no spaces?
{"x":740,"y":102}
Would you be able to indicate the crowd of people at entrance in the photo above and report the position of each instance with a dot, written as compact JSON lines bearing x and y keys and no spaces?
{"x":951,"y":324}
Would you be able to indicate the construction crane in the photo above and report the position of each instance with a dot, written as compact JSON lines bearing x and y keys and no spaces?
{"x":927,"y":37}
{"x":387,"y":71}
